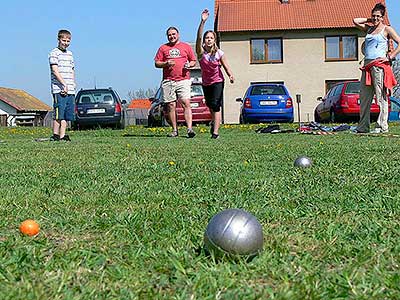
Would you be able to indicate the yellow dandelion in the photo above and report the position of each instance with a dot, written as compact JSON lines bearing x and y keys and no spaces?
{"x":171,"y":163}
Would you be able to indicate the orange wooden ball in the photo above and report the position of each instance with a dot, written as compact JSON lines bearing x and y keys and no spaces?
{"x":29,"y":227}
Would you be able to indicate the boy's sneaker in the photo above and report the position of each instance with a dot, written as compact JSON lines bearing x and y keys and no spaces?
{"x":191,"y":133}
{"x":65,"y":138}
{"x":54,"y":138}
{"x":215,"y":136}
{"x":173,"y":134}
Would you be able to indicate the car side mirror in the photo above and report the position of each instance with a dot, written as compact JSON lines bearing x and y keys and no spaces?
{"x":319,"y":99}
{"x":239,"y":100}
{"x":151,"y":99}
{"x":123,"y":102}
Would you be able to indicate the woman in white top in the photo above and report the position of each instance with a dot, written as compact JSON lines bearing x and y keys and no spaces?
{"x":376,"y":53}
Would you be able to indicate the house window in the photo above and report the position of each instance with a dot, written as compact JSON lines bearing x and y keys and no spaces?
{"x":341,"y":48}
{"x":266,"y":50}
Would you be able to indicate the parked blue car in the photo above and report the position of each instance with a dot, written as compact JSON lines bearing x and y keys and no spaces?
{"x":266,"y":102}
{"x":394,"y":114}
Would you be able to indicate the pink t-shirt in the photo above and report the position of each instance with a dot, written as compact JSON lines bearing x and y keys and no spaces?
{"x":211,"y":68}
{"x":180,"y":53}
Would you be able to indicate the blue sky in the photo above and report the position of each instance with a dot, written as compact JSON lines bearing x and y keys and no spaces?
{"x":114,"y":42}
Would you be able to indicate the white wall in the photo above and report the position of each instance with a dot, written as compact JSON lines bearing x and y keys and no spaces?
{"x":8,"y":110}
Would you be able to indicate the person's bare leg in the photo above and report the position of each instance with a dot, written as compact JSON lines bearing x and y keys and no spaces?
{"x":187,"y":112}
{"x":188,"y":117}
{"x":172,"y":116}
{"x":56,"y":127}
{"x":63,"y":128}
{"x":217,"y":121}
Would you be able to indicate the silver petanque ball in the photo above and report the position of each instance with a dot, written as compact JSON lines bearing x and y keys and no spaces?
{"x":234,"y":232}
{"x":303,"y":162}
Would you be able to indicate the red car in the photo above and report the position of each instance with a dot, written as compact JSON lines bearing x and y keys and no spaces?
{"x":342,"y":102}
{"x":200,"y":112}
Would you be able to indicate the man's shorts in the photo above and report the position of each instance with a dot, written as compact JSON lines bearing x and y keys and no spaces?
{"x":64,"y":107}
{"x":174,"y":90}
{"x":214,"y":95}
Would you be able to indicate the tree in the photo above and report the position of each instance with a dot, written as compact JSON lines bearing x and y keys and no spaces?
{"x":142,"y":94}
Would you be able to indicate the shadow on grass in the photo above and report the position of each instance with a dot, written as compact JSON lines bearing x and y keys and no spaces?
{"x":155,"y":136}
{"x":144,"y":135}
{"x":218,"y":257}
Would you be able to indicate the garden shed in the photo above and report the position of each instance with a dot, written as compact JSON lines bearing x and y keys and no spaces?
{"x":18,"y":108}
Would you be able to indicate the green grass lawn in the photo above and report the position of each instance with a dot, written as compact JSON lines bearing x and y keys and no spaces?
{"x":123,"y":214}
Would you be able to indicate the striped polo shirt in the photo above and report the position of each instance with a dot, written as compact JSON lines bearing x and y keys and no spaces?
{"x":65,"y":62}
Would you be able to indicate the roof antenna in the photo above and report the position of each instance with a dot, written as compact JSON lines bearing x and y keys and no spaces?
{"x":95,"y":87}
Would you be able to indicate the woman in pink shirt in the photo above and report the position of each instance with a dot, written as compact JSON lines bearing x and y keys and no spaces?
{"x":211,"y":59}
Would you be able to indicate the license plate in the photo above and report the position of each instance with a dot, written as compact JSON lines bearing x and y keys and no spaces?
{"x":194,"y":105}
{"x":268,"y":102}
{"x":96,"y":111}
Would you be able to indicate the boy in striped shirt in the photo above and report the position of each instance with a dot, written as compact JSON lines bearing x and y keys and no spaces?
{"x":62,"y":85}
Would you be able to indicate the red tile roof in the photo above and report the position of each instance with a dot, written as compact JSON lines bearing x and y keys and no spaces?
{"x":250,"y":15}
{"x":140,"y":103}
{"x":22,"y":101}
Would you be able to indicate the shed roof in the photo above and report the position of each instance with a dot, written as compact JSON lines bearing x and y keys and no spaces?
{"x":140,"y":103}
{"x":21,"y":100}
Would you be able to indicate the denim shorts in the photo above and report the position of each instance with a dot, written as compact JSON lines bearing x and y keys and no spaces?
{"x":64,"y":107}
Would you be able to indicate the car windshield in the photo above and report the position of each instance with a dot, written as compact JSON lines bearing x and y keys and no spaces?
{"x":96,"y":97}
{"x":267,"y":90}
{"x":352,"y":88}
{"x":196,"y":90}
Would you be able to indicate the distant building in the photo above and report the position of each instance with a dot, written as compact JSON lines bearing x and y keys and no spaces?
{"x":195,"y":72}
{"x":18,"y":108}
{"x":137,"y":111}
{"x":140,"y":103}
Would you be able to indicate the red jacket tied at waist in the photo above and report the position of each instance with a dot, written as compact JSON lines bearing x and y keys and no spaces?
{"x":389,"y":80}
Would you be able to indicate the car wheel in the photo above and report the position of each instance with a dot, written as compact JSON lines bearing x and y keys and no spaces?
{"x":332,"y":116}
{"x":121,"y":124}
{"x":150,"y":121}
{"x":74,"y":126}
{"x":164,"y":121}
{"x":317,"y":118}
